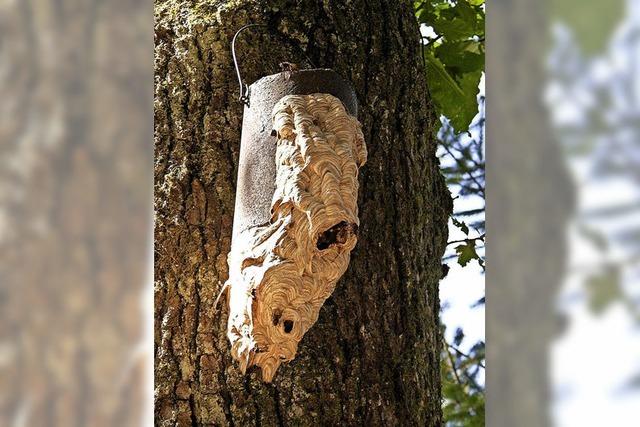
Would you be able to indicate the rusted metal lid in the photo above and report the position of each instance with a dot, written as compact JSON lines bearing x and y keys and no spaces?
{"x":303,"y":82}
{"x":257,"y":166}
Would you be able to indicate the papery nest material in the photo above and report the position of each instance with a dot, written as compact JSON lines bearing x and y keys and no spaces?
{"x":281,"y":273}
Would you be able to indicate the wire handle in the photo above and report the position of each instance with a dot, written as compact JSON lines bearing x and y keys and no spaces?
{"x":244,"y":88}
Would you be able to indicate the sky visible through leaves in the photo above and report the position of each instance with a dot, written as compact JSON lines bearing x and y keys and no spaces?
{"x":453,"y":52}
{"x":593,"y":95}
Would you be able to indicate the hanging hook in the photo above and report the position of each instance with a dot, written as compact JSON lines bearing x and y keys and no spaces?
{"x":244,"y":88}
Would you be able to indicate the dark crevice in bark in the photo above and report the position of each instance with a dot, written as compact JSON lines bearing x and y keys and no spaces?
{"x":226,"y":396}
{"x":192,"y":408}
{"x":276,"y":401}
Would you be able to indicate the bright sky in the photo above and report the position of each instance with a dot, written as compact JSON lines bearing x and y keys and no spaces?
{"x":593,"y":362}
{"x":464,"y":286}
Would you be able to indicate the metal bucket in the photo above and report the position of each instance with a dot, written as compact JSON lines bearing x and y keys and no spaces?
{"x":257,"y":165}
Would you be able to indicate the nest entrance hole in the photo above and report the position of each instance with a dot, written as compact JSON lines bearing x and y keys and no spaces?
{"x":336,"y":235}
{"x":287,"y":324}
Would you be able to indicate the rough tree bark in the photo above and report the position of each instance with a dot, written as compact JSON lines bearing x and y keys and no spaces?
{"x":373,"y":356}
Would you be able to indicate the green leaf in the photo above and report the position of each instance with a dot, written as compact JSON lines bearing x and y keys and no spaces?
{"x":455,"y":58}
{"x":461,"y":57}
{"x":440,"y":75}
{"x":461,"y":225}
{"x":466,"y":252}
{"x":457,"y":21}
{"x":456,"y":99}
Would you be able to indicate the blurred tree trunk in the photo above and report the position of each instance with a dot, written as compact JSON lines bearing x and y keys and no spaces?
{"x":531,"y":198}
{"x":75,"y":211}
{"x":373,"y":356}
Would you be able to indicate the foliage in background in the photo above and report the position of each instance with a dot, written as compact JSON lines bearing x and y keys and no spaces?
{"x":453,"y":50}
{"x":590,"y":78}
{"x":463,"y":165}
{"x":592,"y":21}
{"x":454,"y":56}
{"x":593,"y":73}
{"x":464,"y":395}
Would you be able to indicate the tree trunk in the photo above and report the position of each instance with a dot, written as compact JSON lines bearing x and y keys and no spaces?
{"x":531,"y":197}
{"x":373,"y":356}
